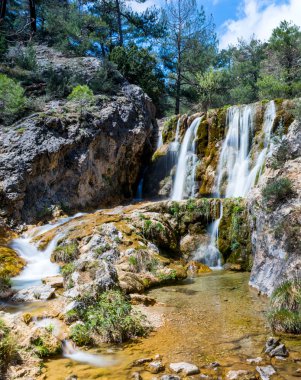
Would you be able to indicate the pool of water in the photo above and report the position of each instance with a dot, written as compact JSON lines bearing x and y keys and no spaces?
{"x":215,"y":317}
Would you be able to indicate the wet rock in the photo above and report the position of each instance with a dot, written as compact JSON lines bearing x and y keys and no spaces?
{"x":185,"y":368}
{"x":266,"y":372}
{"x":214,"y":365}
{"x":254,"y":360}
{"x":34,"y":293}
{"x":170,"y":377}
{"x":141,"y":361}
{"x":155,"y":367}
{"x":275,"y":348}
{"x":137,"y":299}
{"x":71,"y":377}
{"x":54,"y":281}
{"x":136,"y":376}
{"x":236,"y":375}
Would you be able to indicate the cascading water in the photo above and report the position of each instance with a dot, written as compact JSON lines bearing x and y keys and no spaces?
{"x":38,"y":264}
{"x":234,"y":163}
{"x":69,"y":349}
{"x":184,"y":184}
{"x":160,"y":139}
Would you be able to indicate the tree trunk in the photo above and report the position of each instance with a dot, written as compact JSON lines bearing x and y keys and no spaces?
{"x":33,"y":19}
{"x":2,"y":9}
{"x":178,"y":92}
{"x":119,"y":22}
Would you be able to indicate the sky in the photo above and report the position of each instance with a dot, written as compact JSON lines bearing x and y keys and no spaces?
{"x":236,"y":19}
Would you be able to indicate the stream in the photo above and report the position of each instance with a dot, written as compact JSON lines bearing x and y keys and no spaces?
{"x":211,"y":318}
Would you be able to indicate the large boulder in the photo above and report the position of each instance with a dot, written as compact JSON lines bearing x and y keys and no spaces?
{"x":75,"y":157}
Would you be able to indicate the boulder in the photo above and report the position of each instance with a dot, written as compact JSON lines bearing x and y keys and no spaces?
{"x":155,"y":366}
{"x":266,"y":372}
{"x":34,"y":293}
{"x":56,"y":282}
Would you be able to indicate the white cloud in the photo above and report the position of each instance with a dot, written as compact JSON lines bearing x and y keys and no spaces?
{"x":140,"y":7}
{"x":260,"y":18}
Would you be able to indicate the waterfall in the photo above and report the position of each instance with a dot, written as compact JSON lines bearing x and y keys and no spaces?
{"x":160,"y":139}
{"x":208,"y":253}
{"x":184,"y":185}
{"x":38,"y":264}
{"x":234,"y":162}
{"x":174,"y":146}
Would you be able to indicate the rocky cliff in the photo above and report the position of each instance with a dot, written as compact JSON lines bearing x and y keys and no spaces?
{"x":73,"y":157}
{"x":275,"y":208}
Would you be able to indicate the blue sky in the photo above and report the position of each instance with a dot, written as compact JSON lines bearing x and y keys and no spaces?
{"x":243,"y":18}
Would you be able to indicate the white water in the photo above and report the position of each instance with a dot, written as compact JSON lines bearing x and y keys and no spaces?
{"x":69,"y":349}
{"x":72,"y":352}
{"x":38,"y":264}
{"x":174,"y":146}
{"x":184,"y":184}
{"x":234,"y":162}
{"x":160,"y":139}
{"x":208,"y":253}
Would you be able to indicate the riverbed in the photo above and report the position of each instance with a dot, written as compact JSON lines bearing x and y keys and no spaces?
{"x":211,"y":318}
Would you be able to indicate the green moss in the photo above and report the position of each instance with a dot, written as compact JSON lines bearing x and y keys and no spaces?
{"x":234,"y":241}
{"x":169,"y":129}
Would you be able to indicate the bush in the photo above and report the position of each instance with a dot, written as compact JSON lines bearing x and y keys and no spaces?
{"x":81,"y":93}
{"x":12,"y":99}
{"x":277,"y":191}
{"x":285,"y":307}
{"x":7,"y":348}
{"x":26,"y":58}
{"x":66,"y":252}
{"x":111,"y":317}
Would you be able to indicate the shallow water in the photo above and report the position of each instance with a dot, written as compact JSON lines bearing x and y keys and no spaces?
{"x":215,"y":317}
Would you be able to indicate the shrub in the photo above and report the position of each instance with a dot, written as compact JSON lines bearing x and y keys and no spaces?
{"x":26,"y":58}
{"x":81,"y":334}
{"x":7,"y":348}
{"x":112,"y":318}
{"x":65,"y":252}
{"x":67,"y":269}
{"x":285,"y":307}
{"x":81,"y":93}
{"x":277,"y":191}
{"x":12,"y":99}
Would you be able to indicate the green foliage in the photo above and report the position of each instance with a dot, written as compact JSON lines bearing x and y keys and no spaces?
{"x":26,"y":58}
{"x":271,"y":87}
{"x":81,"y":93}
{"x":133,"y":260}
{"x":67,"y":270}
{"x":277,"y":191}
{"x":175,"y":208}
{"x":107,"y":79}
{"x":103,"y":248}
{"x":285,"y":307}
{"x":44,"y":349}
{"x":66,"y":252}
{"x":140,"y":67}
{"x":12,"y":99}
{"x":112,"y":318}
{"x":7,"y":348}
{"x":166,"y":277}
{"x":81,"y":334}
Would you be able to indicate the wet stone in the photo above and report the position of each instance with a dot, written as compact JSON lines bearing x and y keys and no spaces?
{"x":185,"y":368}
{"x":141,"y":361}
{"x":155,"y":367}
{"x":266,"y":372}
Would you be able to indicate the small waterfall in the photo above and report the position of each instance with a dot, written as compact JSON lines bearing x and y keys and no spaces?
{"x":234,"y":162}
{"x":69,"y":349}
{"x":160,"y":139}
{"x":208,"y":253}
{"x":174,"y":146}
{"x":38,"y":264}
{"x":184,"y":185}
{"x":73,"y":353}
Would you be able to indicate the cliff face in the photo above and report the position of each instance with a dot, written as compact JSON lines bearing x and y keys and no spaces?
{"x":277,"y":220}
{"x":74,"y":157}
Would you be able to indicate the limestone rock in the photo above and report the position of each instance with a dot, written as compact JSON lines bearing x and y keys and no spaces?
{"x":186,"y":368}
{"x":54,"y":281}
{"x":266,"y":372}
{"x":155,"y":366}
{"x":34,"y":293}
